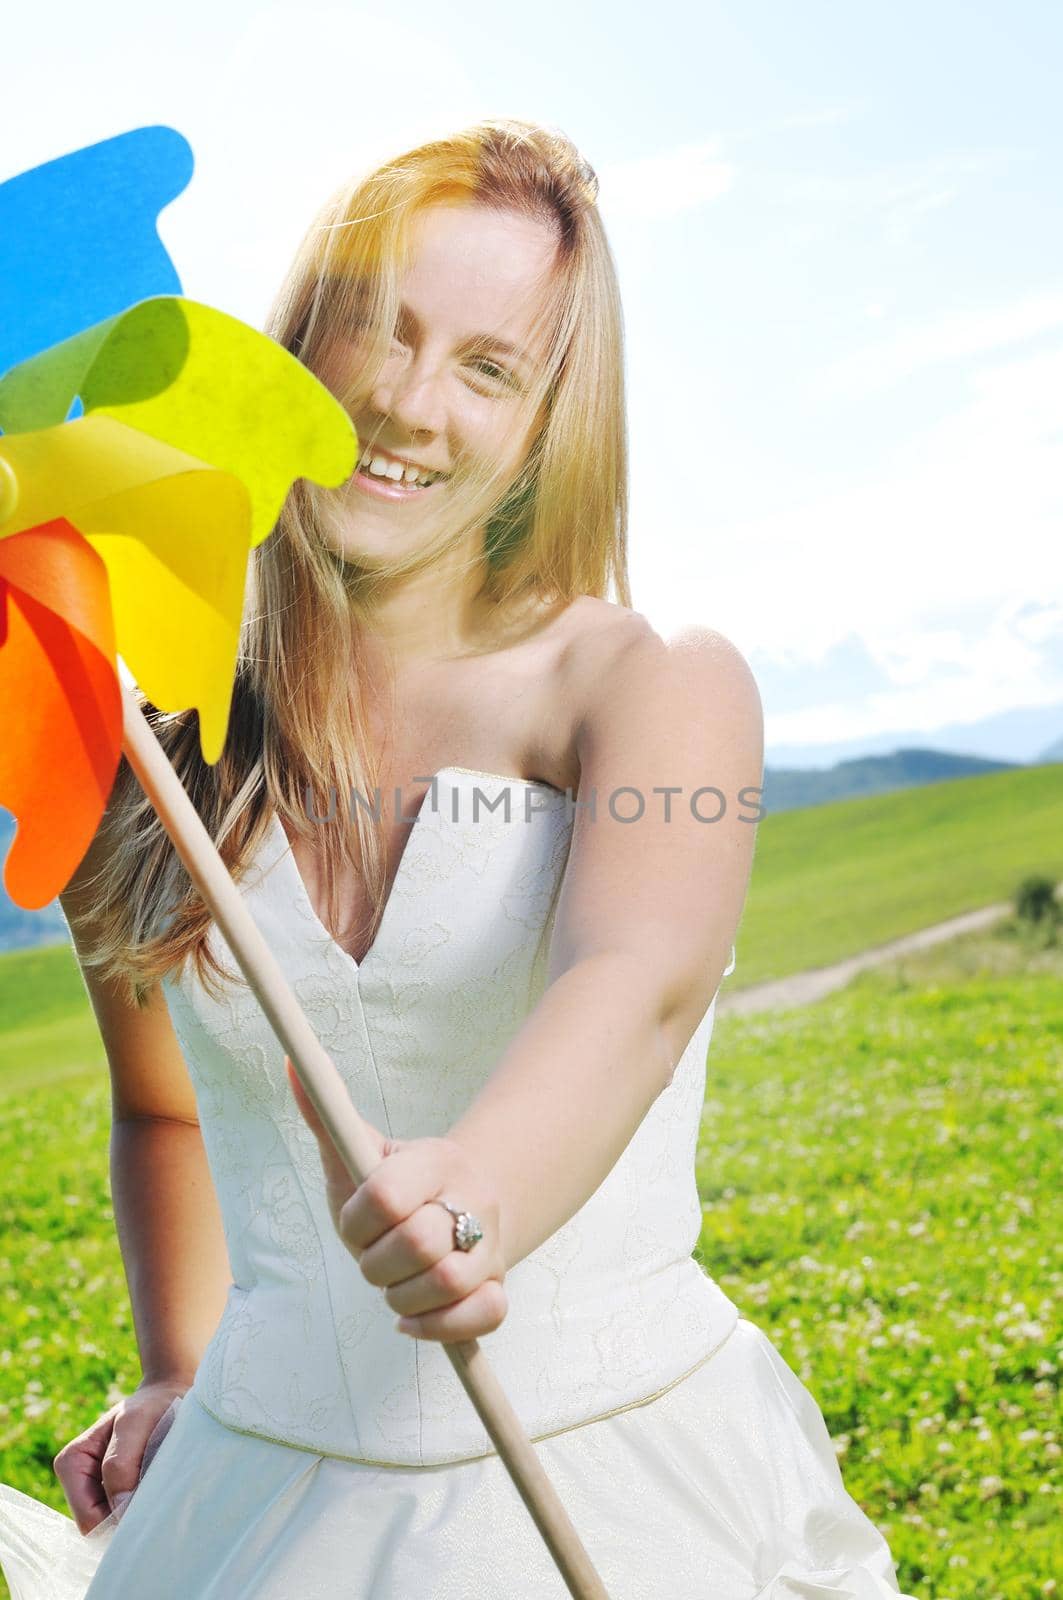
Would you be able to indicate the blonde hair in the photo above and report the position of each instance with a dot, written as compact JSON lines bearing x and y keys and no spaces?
{"x":298,"y":720}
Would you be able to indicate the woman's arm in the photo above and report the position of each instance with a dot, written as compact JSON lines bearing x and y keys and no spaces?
{"x":170,"y":1237}
{"x":567,"y":1097}
{"x":645,"y":921}
{"x":170,"y":1234}
{"x":166,"y":1212}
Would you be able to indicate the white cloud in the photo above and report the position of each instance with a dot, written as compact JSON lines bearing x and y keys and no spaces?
{"x":824,"y":117}
{"x":947,"y":562}
{"x":950,"y":336}
{"x":665,"y":185}
{"x":944,"y":677}
{"x":892,"y":199}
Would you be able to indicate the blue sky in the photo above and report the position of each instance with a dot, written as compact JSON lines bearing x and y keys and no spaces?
{"x":840,"y":244}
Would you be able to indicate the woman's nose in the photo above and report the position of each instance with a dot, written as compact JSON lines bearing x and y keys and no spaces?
{"x":410,"y":395}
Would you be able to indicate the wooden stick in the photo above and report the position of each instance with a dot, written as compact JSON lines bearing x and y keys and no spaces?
{"x":329,"y":1096}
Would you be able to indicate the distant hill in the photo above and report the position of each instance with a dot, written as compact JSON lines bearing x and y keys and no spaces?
{"x":1053,"y":753}
{"x":790,"y":788}
{"x":1019,"y":734}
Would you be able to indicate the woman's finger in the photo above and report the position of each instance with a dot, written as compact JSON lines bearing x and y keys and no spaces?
{"x":451,"y":1278}
{"x":77,"y":1466}
{"x":480,"y":1312}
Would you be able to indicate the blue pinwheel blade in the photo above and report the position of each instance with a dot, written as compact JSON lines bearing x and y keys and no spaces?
{"x":79,"y":239}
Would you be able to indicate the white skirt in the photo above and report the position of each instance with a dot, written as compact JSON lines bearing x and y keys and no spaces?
{"x":724,"y":1487}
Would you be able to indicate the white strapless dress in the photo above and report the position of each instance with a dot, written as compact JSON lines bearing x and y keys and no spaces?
{"x":322,"y":1455}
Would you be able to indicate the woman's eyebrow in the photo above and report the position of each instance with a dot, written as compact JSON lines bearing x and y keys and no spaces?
{"x":479,"y":341}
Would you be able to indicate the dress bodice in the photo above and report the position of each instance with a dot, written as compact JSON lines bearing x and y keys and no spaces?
{"x":609,"y":1309}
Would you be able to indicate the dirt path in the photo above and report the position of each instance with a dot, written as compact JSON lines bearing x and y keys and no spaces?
{"x":801,"y":988}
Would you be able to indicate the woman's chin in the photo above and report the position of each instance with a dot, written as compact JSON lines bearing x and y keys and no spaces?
{"x":357,"y":553}
{"x":359,"y":539}
{"x":365,"y":550}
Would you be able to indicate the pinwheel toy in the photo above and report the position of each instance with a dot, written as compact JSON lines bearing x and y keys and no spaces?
{"x":148,"y":445}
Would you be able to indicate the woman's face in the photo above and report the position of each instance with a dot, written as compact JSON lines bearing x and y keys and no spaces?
{"x":448,"y":395}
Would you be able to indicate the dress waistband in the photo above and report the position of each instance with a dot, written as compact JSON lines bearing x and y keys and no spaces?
{"x":484,"y":1455}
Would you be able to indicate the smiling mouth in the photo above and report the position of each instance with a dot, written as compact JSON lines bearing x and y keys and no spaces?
{"x":385,"y":477}
{"x":385,"y":488}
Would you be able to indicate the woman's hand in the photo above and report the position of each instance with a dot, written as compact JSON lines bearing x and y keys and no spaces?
{"x":404,"y":1243}
{"x":100,"y":1469}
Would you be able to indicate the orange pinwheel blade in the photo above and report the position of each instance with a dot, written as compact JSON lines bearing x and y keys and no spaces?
{"x":59,"y":684}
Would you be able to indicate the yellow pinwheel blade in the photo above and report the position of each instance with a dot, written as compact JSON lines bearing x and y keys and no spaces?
{"x":178,"y":598}
{"x":202,"y":382}
{"x":174,"y":537}
{"x":56,"y":471}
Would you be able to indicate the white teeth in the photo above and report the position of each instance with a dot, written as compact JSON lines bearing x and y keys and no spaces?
{"x":380,"y":467}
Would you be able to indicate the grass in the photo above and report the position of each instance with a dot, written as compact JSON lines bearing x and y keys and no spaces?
{"x":831,"y":881}
{"x":879,"y":1174}
{"x":48,"y":1032}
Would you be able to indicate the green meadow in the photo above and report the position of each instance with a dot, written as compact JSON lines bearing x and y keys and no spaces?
{"x":879,"y":1176}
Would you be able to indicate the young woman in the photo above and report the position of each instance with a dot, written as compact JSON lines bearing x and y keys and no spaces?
{"x":514,"y":966}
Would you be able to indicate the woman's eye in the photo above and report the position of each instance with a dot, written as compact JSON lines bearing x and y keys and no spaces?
{"x":495,"y":371}
{"x":491,"y":369}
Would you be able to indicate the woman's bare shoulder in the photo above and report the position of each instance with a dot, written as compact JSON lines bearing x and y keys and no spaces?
{"x":599,"y":632}
{"x":607,"y":651}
